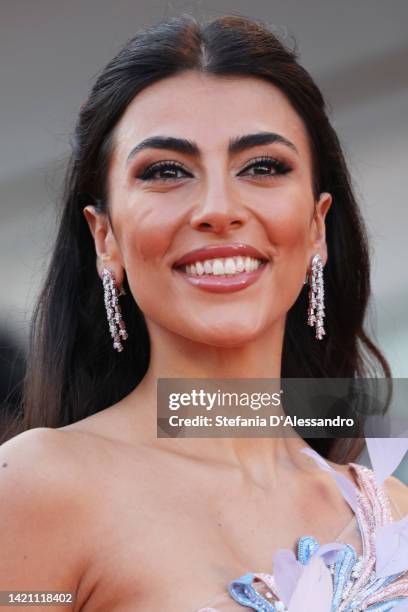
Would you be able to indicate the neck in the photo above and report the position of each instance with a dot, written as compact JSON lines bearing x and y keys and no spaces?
{"x":175,"y":357}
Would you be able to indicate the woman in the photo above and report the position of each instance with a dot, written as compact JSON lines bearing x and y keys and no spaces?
{"x":197,"y":144}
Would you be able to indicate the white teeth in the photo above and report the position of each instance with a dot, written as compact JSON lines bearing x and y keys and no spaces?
{"x":229,"y":266}
{"x":208,"y":268}
{"x":218,"y":267}
{"x":223,"y":266}
{"x":239,"y":263}
{"x":199,"y":268}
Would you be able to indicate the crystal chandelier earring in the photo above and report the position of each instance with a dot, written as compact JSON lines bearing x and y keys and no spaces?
{"x":316,"y":297}
{"x":117,"y":325}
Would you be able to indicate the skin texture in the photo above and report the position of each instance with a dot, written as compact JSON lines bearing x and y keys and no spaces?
{"x":167,"y":523}
{"x":154,"y":224}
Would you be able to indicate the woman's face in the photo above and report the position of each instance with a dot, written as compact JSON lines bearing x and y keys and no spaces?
{"x":256,"y":200}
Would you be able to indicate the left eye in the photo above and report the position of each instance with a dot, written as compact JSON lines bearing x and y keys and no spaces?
{"x":265,"y":164}
{"x":168,"y":169}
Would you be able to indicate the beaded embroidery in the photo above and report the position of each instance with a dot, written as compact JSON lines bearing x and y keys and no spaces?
{"x":355,"y":585}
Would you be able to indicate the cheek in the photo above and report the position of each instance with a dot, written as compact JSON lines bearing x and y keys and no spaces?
{"x":147,"y":232}
{"x":287,"y":224}
{"x":287,"y":221}
{"x":146,"y":235}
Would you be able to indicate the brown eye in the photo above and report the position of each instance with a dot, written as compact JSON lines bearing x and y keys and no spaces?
{"x":264,"y":165}
{"x":168,"y":171}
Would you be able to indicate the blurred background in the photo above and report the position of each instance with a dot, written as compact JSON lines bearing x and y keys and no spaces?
{"x":50,"y":53}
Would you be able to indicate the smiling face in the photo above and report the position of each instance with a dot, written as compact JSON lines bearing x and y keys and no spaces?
{"x":214,"y":190}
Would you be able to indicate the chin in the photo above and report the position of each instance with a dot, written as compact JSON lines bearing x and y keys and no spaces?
{"x":230,"y":335}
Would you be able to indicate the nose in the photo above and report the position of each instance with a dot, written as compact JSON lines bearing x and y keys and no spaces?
{"x":218,"y":212}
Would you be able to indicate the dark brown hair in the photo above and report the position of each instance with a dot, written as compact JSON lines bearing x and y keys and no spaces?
{"x":73,"y":371}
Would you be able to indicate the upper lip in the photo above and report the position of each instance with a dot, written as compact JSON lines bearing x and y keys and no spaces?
{"x":213,"y":251}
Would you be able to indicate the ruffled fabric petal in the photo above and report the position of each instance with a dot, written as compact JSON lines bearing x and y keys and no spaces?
{"x":287,"y":571}
{"x":347,"y":488}
{"x":314,"y":590}
{"x":391,"y":545}
{"x":330,"y":552}
{"x":385,"y":455}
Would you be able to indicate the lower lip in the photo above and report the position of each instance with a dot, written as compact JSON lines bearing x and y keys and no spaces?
{"x":224,"y":284}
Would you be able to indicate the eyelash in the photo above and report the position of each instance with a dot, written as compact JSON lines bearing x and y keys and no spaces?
{"x":280,"y":168}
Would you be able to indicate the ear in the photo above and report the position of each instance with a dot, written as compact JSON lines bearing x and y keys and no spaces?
{"x":106,"y":246}
{"x":318,"y":227}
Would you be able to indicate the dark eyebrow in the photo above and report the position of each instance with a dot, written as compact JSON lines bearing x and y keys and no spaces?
{"x":180,"y":145}
{"x":189,"y":147}
{"x":240,"y":143}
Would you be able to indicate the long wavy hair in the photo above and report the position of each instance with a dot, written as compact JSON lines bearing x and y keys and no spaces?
{"x":73,"y":371}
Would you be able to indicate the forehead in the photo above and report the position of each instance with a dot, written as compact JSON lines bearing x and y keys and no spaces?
{"x":209,"y":110}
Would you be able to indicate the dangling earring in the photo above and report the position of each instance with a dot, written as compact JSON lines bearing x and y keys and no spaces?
{"x":117,"y":326}
{"x":316,"y":298}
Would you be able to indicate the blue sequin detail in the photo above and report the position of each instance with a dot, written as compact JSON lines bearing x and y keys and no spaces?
{"x":243,"y":592}
{"x":345,"y":572}
{"x":307,"y":546}
{"x":342,"y":573}
{"x":385,"y":607}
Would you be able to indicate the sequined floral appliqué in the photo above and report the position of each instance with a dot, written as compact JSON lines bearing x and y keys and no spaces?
{"x":333,"y":577}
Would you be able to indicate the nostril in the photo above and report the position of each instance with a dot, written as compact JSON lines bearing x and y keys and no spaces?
{"x":215,"y":226}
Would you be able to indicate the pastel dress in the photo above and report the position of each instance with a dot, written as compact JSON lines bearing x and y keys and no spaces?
{"x":364,"y":568}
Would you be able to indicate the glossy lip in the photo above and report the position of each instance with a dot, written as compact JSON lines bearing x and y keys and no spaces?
{"x":213,"y":251}
{"x":223,"y":284}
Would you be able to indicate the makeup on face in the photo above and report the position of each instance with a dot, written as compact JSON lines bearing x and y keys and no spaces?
{"x":211,"y":199}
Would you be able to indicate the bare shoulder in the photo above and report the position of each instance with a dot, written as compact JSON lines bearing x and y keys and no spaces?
{"x":34,"y":475}
{"x":37,"y":458}
{"x":37,"y":467}
{"x":40,"y":509}
{"x":30,"y":454}
{"x":57,"y":466}
{"x":398,"y":493}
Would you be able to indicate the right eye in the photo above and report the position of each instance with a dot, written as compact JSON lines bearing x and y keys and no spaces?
{"x":169,"y":169}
